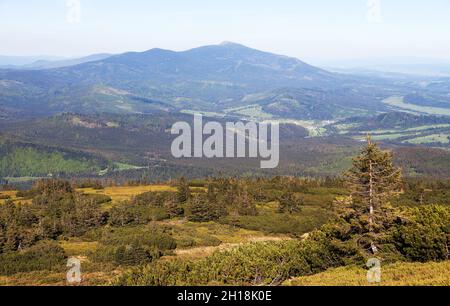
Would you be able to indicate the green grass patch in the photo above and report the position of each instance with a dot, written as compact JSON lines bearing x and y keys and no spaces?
{"x":399,"y":102}
{"x":434,"y":138}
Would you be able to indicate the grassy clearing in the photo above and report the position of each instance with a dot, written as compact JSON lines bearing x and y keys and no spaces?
{"x":12,"y":195}
{"x":316,"y":128}
{"x":345,"y":128}
{"x":251,"y":111}
{"x":5,"y":195}
{"x":119,"y":194}
{"x":414,"y":134}
{"x":197,"y":240}
{"x":379,"y":137}
{"x":124,"y":167}
{"x":118,"y":167}
{"x":24,"y":179}
{"x":40,"y":278}
{"x":414,"y":129}
{"x":429,"y":127}
{"x":202,"y":252}
{"x":435,"y":138}
{"x":399,"y":274}
{"x":399,"y":102}
{"x":225,"y":233}
{"x":78,"y":248}
{"x":89,"y":276}
{"x":206,"y":114}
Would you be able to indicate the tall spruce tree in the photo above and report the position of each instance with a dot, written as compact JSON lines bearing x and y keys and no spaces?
{"x":373,"y":181}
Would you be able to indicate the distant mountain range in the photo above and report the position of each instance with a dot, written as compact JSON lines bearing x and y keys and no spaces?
{"x":17,"y":61}
{"x":216,"y":79}
{"x":413,"y":66}
{"x":46,"y":62}
{"x":43,"y":64}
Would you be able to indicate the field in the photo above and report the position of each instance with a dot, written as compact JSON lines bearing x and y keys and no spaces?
{"x":398,"y":128}
{"x":434,"y":138}
{"x":119,"y":194}
{"x":399,"y":102}
{"x":399,"y":274}
{"x":10,"y":195}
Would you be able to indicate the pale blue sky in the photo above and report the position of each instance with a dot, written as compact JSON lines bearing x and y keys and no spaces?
{"x":307,"y":29}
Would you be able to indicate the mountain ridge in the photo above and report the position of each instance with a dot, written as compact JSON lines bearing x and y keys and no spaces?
{"x":209,"y":78}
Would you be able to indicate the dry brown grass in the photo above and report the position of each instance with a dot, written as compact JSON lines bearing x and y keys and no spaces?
{"x":201,"y":252}
{"x":10,"y":194}
{"x":41,"y":278}
{"x":120,"y":194}
{"x":45,"y":278}
{"x":78,"y":248}
{"x":13,"y":196}
{"x":202,"y":233}
{"x":398,"y":274}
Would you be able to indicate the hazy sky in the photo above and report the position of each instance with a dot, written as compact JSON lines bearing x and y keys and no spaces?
{"x":307,"y":29}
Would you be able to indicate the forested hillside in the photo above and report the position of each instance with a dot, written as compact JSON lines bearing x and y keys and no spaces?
{"x":30,"y":160}
{"x":95,"y":145}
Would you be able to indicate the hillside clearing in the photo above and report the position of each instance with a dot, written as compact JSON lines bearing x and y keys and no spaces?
{"x":119,"y":194}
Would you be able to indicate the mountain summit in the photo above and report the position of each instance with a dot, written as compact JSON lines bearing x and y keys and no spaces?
{"x":208,"y":78}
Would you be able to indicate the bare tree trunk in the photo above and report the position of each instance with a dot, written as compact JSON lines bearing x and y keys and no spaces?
{"x":371,"y":206}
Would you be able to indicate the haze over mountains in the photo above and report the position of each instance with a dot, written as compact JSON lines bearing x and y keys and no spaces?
{"x":46,"y":62}
{"x":225,"y":79}
{"x":411,"y":66}
{"x":18,"y":61}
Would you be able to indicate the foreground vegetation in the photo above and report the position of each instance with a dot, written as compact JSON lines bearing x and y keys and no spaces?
{"x":231,"y":231}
